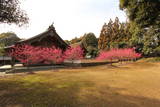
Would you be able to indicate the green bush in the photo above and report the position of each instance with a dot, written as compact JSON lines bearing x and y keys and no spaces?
{"x":92,"y":51}
{"x":90,"y":43}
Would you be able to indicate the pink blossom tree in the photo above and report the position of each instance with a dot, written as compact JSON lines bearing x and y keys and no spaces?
{"x":74,"y":53}
{"x":28,"y":54}
{"x":52,"y":55}
{"x":119,"y":54}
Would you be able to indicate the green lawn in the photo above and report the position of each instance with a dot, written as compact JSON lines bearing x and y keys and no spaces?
{"x":128,"y":85}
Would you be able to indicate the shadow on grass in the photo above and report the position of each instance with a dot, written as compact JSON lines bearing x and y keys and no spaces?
{"x":18,"y":93}
{"x":39,"y":94}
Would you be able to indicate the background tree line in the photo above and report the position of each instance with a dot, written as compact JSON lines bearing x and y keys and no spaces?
{"x":114,"y":35}
{"x":142,"y":30}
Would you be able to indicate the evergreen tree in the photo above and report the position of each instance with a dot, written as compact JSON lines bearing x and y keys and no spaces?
{"x":114,"y":35}
{"x":102,"y":42}
{"x":144,"y":18}
{"x":144,"y":13}
{"x":152,"y":43}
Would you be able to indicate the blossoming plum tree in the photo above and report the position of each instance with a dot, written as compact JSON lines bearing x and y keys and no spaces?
{"x":74,"y":53}
{"x":119,"y":54}
{"x":28,"y":54}
{"x":52,"y":55}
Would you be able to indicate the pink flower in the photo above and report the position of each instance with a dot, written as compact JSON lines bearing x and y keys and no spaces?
{"x":74,"y":53}
{"x":28,"y":54}
{"x":119,"y":54}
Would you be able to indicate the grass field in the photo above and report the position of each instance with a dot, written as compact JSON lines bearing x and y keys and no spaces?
{"x":127,"y":85}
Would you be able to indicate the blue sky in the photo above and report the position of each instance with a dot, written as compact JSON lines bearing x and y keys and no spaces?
{"x":72,"y":18}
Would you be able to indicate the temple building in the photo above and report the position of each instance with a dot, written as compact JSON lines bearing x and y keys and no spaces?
{"x":47,"y":38}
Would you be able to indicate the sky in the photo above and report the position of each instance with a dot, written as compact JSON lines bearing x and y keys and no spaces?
{"x":71,"y":18}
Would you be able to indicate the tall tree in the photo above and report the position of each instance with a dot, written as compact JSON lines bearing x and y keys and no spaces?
{"x":143,"y":13}
{"x":10,"y":12}
{"x":144,"y":17}
{"x":151,"y":41}
{"x":114,"y":35}
{"x":105,"y":37}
